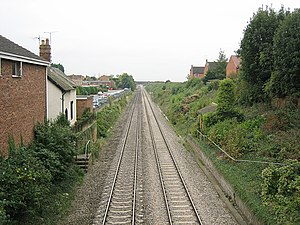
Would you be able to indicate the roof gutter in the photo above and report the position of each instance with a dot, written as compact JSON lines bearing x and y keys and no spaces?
{"x":5,"y":55}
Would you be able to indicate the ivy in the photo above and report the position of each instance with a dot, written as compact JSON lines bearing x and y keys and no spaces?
{"x":281,"y":191}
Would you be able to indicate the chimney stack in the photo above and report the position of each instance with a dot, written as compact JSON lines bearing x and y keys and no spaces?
{"x":45,"y":50}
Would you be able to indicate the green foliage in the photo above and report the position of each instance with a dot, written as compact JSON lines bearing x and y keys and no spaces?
{"x":256,"y":132}
{"x":54,"y":144}
{"x":226,"y":97}
{"x":108,"y":116}
{"x":86,"y":90}
{"x":281,"y":191}
{"x":126,"y":81}
{"x":236,"y":138}
{"x":219,"y":71}
{"x":256,"y":51}
{"x":24,"y":182}
{"x":285,"y":79}
{"x":31,"y":173}
{"x":59,"y":66}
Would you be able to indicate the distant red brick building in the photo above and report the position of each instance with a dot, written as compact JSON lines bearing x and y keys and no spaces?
{"x":22,"y":92}
{"x":196,"y":71}
{"x":233,"y":66}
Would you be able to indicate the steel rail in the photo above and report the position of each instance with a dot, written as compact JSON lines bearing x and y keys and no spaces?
{"x":158,"y":167}
{"x":174,"y":161}
{"x":137,"y":146}
{"x":119,"y":162}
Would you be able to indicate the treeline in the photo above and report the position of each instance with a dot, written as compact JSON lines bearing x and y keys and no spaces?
{"x":87,"y":90}
{"x":270,"y":56}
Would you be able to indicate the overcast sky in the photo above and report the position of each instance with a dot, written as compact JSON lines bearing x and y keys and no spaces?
{"x":151,"y":40}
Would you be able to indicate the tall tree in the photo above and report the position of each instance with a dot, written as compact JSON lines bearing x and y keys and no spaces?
{"x":126,"y":81}
{"x":285,"y":79}
{"x":219,"y":71}
{"x":256,"y":51}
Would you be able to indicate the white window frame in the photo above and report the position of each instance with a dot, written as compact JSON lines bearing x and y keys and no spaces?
{"x":18,"y":67}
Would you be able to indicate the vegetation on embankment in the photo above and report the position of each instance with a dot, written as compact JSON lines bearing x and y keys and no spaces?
{"x":258,"y":132}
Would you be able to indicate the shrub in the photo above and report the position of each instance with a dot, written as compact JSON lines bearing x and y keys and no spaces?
{"x":24,"y":183}
{"x":55,"y":144}
{"x":281,"y":191}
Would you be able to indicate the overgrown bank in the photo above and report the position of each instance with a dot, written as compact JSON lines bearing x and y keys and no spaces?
{"x":259,"y":132}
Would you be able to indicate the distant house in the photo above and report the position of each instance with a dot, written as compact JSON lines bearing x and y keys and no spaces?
{"x":61,"y":89}
{"x":77,"y":79}
{"x":196,"y":71}
{"x":23,"y":97}
{"x":105,"y":78}
{"x":233,"y":66}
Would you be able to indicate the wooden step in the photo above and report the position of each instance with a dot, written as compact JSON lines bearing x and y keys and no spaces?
{"x":83,"y":162}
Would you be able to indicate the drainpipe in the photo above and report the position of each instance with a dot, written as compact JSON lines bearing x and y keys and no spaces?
{"x":47,"y":94}
{"x":62,"y":102}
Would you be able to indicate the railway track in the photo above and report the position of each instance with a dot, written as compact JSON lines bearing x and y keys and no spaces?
{"x":178,"y":202}
{"x":121,"y":198}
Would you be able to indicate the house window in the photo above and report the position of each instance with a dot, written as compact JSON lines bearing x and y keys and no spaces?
{"x":17,"y":69}
{"x":72,"y":110}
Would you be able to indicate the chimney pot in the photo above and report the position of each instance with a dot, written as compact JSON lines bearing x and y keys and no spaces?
{"x":45,"y":50}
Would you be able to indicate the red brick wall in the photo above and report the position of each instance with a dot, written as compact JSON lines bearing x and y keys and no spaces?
{"x":82,"y":104}
{"x":22,"y":102}
{"x":230,"y":69}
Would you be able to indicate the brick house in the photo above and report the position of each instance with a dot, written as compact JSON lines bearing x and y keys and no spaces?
{"x":105,"y":78}
{"x":196,"y":71}
{"x":23,"y":98}
{"x":233,"y":66}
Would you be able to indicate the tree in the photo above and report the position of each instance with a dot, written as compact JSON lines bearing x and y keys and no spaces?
{"x":226,"y":97}
{"x":219,"y":71}
{"x":256,"y":51}
{"x":126,"y":81}
{"x":285,"y":79}
{"x":59,"y":66}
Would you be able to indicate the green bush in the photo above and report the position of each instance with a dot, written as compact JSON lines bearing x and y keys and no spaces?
{"x":30,"y":174}
{"x":281,"y":191}
{"x":54,"y":144}
{"x":108,"y":116}
{"x":24,"y":184}
{"x":237,"y":138}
